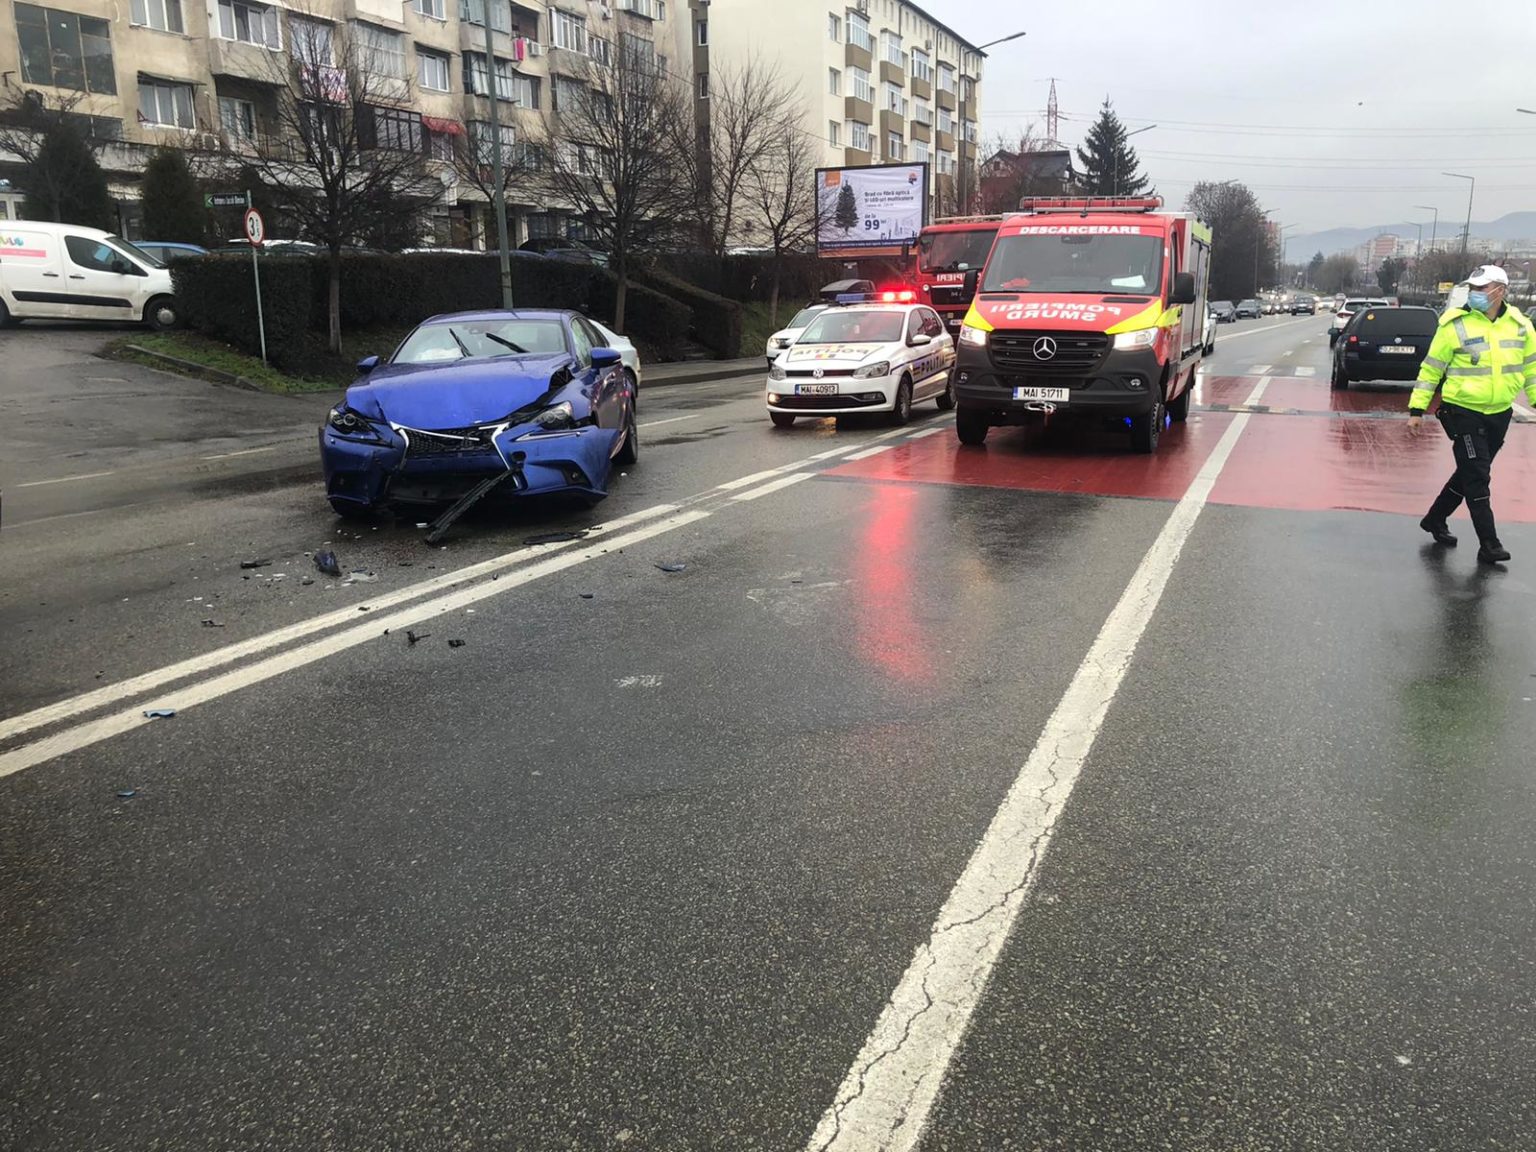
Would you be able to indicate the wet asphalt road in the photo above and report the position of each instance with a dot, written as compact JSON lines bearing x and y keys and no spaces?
{"x":642,"y":870}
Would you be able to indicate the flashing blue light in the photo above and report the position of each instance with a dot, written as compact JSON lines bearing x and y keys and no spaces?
{"x":1127,"y":421}
{"x":855,"y":297}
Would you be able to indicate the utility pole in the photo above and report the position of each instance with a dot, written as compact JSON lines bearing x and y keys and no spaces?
{"x":1466,"y":234}
{"x":499,"y":192}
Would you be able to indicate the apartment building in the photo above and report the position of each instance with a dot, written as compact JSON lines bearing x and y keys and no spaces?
{"x":203,"y":73}
{"x":880,"y":80}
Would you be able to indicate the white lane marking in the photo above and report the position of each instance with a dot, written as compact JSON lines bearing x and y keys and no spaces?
{"x":925,"y":432}
{"x":772,"y":486}
{"x":1303,"y":370}
{"x":65,"y":479}
{"x":201,"y":692}
{"x":885,"y":1100}
{"x":670,"y":420}
{"x":243,"y":452}
{"x":149,"y":681}
{"x":1259,"y":369}
{"x":868,"y":452}
{"x":648,"y":681}
{"x":755,"y":478}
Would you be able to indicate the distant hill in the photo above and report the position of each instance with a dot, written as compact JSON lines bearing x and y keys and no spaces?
{"x":1515,"y":226}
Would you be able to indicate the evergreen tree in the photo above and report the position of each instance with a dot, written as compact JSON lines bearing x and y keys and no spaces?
{"x":1315,"y":267}
{"x":1110,"y":166}
{"x":846,"y":215}
{"x":63,"y":182}
{"x":173,"y":202}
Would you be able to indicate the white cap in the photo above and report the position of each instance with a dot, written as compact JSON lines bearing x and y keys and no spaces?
{"x":1488,"y":274}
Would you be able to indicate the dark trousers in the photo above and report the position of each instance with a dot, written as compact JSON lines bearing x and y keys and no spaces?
{"x":1476,"y":440}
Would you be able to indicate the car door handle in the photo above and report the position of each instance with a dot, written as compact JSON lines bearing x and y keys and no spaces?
{"x":76,"y":276}
{"x":51,"y":275}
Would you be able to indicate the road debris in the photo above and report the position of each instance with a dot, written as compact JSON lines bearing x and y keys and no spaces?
{"x":672,"y":567}
{"x":159,"y":713}
{"x":456,"y":643}
{"x":411,"y":639}
{"x":262,"y":563}
{"x":556,"y":537}
{"x":127,"y":793}
{"x":326,"y":562}
{"x":355,"y":577}
{"x":586,"y":595}
{"x":212,"y":624}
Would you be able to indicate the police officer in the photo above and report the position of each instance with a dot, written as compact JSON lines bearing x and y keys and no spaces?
{"x":1480,"y":359}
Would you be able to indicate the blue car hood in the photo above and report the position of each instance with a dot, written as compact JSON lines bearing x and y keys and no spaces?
{"x":453,"y":395}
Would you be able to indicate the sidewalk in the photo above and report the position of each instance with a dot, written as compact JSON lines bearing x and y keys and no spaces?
{"x":699,"y":371}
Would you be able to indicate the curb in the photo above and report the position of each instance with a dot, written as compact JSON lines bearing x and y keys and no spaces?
{"x":704,"y":376}
{"x":218,"y":375}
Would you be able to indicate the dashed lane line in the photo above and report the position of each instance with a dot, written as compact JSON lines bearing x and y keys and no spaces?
{"x":868,"y":452}
{"x":669,"y":420}
{"x":885,"y":1100}
{"x":65,"y":479}
{"x":772,"y":486}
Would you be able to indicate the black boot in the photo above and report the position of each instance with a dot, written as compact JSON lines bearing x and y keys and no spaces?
{"x":1492,"y":552}
{"x":1434,"y":521}
{"x":1489,"y":551}
{"x":1439,"y":530}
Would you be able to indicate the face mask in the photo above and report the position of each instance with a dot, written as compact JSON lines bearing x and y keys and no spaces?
{"x":1478,"y":301}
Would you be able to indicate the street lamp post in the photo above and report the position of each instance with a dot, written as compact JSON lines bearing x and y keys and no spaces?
{"x":499,"y":190}
{"x":964,"y":192}
{"x":1258,"y":245}
{"x":1466,"y":235}
{"x":1434,"y":228}
{"x":1114,"y":189}
{"x":1285,"y":246}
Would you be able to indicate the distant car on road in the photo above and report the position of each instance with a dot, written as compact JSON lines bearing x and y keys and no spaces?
{"x":1210,"y":330}
{"x":1383,"y":344}
{"x":531,"y":399}
{"x":167,"y":250}
{"x":1304,"y":306}
{"x":1226,"y":311}
{"x":785,"y":336}
{"x":1249,"y":309}
{"x":560,"y":248}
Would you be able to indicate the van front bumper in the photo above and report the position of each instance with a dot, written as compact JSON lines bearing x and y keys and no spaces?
{"x":1122,"y":384}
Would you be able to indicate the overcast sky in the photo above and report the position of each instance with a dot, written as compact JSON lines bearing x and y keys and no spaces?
{"x":1335,"y":114}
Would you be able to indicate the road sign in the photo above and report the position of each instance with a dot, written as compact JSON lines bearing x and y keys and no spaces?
{"x":255,"y":230}
{"x":224,"y":200}
{"x":1444,"y":286}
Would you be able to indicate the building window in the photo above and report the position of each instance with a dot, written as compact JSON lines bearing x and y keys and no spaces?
{"x":946,"y":78}
{"x":511,"y":85}
{"x":862,"y":88}
{"x":970,"y":131}
{"x":858,"y":135}
{"x":650,"y":9}
{"x":480,"y":137}
{"x":834,"y":28}
{"x":432,"y":71}
{"x":703,"y":33}
{"x":600,"y":50}
{"x":392,"y":129}
{"x":570,"y":31}
{"x":380,"y":51}
{"x":249,"y":23}
{"x":834,"y":134}
{"x":65,"y":50}
{"x":919,"y":152}
{"x":967,"y":89}
{"x":834,"y":82}
{"x":946,"y":121}
{"x":858,"y":31}
{"x":895,"y":101}
{"x":237,"y":118}
{"x":922,"y":67}
{"x":893,"y":52}
{"x":432,"y":9}
{"x":895,"y":148}
{"x":922,"y":112}
{"x":638,"y":51}
{"x":163,"y":105}
{"x":312,"y":41}
{"x":161,"y":15}
{"x":703,"y":89}
{"x":473,"y":11}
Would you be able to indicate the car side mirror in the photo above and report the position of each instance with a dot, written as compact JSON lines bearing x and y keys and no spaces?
{"x":972,"y":278}
{"x":367,"y":364}
{"x":920,"y":340}
{"x":1183,"y":289}
{"x":606,"y":357}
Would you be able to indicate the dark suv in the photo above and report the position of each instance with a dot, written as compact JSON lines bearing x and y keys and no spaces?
{"x":1383,"y":344}
{"x":1304,"y":306}
{"x":1250,"y":309}
{"x":560,"y":248}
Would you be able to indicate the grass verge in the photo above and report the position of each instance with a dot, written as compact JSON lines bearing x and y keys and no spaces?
{"x":316,"y":371}
{"x":756,"y":327}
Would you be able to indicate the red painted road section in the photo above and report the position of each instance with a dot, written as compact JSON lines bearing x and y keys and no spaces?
{"x":1336,"y":459}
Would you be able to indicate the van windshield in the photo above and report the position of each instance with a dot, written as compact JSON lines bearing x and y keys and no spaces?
{"x":128,"y":248}
{"x":947,"y":251}
{"x":1096,"y":265}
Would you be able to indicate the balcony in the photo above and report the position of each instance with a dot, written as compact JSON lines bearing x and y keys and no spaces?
{"x":892,"y":122}
{"x":922,"y":89}
{"x":247,"y":62}
{"x":893,"y":74}
{"x":861,"y":110}
{"x":857,"y":57}
{"x":919,"y":131}
{"x":858,"y":157}
{"x":946,"y":100}
{"x":945,"y":141}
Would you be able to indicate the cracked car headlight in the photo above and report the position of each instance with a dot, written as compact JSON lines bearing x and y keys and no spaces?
{"x":350,"y":423}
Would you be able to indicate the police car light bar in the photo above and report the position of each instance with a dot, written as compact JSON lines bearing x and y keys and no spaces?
{"x":906,"y":296}
{"x":1090,"y":203}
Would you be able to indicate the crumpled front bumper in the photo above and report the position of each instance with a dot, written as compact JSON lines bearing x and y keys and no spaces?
{"x":371,"y":474}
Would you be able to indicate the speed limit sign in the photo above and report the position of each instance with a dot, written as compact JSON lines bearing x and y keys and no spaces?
{"x":255,"y":230}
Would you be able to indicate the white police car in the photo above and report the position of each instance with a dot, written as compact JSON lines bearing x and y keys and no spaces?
{"x":867,"y":353}
{"x":785,"y":336}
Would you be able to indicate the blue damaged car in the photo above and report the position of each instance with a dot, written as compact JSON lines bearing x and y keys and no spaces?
{"x":481,"y":404}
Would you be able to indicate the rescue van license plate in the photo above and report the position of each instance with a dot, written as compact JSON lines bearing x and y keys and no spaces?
{"x":816,"y":389}
{"x":1059,"y":395}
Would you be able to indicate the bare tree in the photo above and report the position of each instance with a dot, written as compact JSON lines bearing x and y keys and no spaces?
{"x":609,"y":154}
{"x":1243,"y":246}
{"x":1019,"y":166}
{"x":749,"y":111}
{"x":347,"y":153}
{"x":782,"y":201}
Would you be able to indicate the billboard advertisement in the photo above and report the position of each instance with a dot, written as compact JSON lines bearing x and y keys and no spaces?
{"x":870,"y":211}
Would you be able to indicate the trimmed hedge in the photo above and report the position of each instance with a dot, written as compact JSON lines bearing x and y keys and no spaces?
{"x":217,"y":296}
{"x":397,"y":291}
{"x":750,"y":277}
{"x":716,"y":320}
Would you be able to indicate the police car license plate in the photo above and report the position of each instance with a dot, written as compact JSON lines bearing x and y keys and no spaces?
{"x":816,"y":389}
{"x":1057,"y":394}
{"x":1397,"y":350}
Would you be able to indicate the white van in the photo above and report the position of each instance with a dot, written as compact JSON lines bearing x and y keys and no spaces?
{"x":66,"y":272}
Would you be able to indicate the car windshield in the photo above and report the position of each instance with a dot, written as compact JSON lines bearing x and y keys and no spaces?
{"x":1222,"y":304}
{"x":1250,"y":304}
{"x":947,"y":251}
{"x":479,"y":339}
{"x":128,"y":248}
{"x":1377,"y":322}
{"x":1097,"y":265}
{"x":840,"y":326}
{"x":804,"y":317}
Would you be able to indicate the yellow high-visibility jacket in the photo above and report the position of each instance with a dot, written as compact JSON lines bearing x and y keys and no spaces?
{"x":1478,"y":363}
